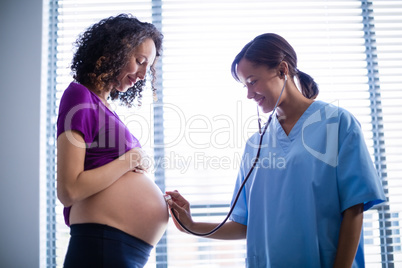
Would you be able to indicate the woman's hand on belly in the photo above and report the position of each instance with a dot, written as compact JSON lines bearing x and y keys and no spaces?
{"x":133,"y":204}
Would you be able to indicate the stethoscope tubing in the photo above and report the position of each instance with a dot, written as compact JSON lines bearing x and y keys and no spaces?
{"x":262,"y":133}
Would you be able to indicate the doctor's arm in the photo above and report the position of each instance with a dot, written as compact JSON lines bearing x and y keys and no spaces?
{"x":181,"y":207}
{"x":75,"y":184}
{"x":349,"y":236}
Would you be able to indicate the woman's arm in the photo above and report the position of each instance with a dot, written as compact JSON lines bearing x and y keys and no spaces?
{"x":349,"y":236}
{"x":181,"y":207}
{"x":73,"y":183}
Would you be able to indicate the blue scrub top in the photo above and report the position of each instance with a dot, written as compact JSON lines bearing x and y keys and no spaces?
{"x":293,"y":201}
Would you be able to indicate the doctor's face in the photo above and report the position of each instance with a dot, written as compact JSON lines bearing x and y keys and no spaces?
{"x":263,"y":85}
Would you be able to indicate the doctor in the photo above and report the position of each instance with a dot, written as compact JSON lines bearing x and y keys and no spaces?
{"x":308,"y":211}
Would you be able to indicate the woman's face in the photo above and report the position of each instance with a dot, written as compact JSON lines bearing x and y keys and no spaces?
{"x":263,"y":85}
{"x":142,"y":57}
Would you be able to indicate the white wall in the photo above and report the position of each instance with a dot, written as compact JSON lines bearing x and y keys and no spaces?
{"x":20,"y":84}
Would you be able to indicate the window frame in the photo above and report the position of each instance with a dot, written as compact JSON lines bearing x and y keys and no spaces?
{"x":380,"y":156}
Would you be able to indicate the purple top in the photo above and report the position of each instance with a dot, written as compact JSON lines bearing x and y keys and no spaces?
{"x":106,"y":136}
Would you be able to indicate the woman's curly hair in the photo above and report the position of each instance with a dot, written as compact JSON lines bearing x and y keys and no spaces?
{"x":104,"y":49}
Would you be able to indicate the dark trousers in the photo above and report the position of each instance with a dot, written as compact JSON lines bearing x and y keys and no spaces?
{"x":97,"y":245}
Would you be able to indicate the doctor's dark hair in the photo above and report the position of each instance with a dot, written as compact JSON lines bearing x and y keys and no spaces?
{"x":104,"y":49}
{"x":270,"y":50}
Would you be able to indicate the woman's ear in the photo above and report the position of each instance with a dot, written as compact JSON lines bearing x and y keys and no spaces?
{"x":283,"y":69}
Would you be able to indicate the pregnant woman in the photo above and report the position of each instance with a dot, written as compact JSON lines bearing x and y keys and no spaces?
{"x":115,"y":212}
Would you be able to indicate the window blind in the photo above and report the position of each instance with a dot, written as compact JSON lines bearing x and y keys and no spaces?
{"x":386,"y":26}
{"x":198,"y":128}
{"x":48,"y":208}
{"x":201,"y":40}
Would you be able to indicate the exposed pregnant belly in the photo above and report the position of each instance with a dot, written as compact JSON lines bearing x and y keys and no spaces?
{"x":133,"y":204}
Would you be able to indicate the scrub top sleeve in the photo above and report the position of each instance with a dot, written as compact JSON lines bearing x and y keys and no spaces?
{"x":240,"y":211}
{"x":358,"y":181}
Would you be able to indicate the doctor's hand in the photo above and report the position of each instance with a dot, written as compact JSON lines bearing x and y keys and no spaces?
{"x":181,"y":208}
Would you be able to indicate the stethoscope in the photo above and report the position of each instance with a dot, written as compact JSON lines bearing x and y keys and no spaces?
{"x":262,"y":133}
